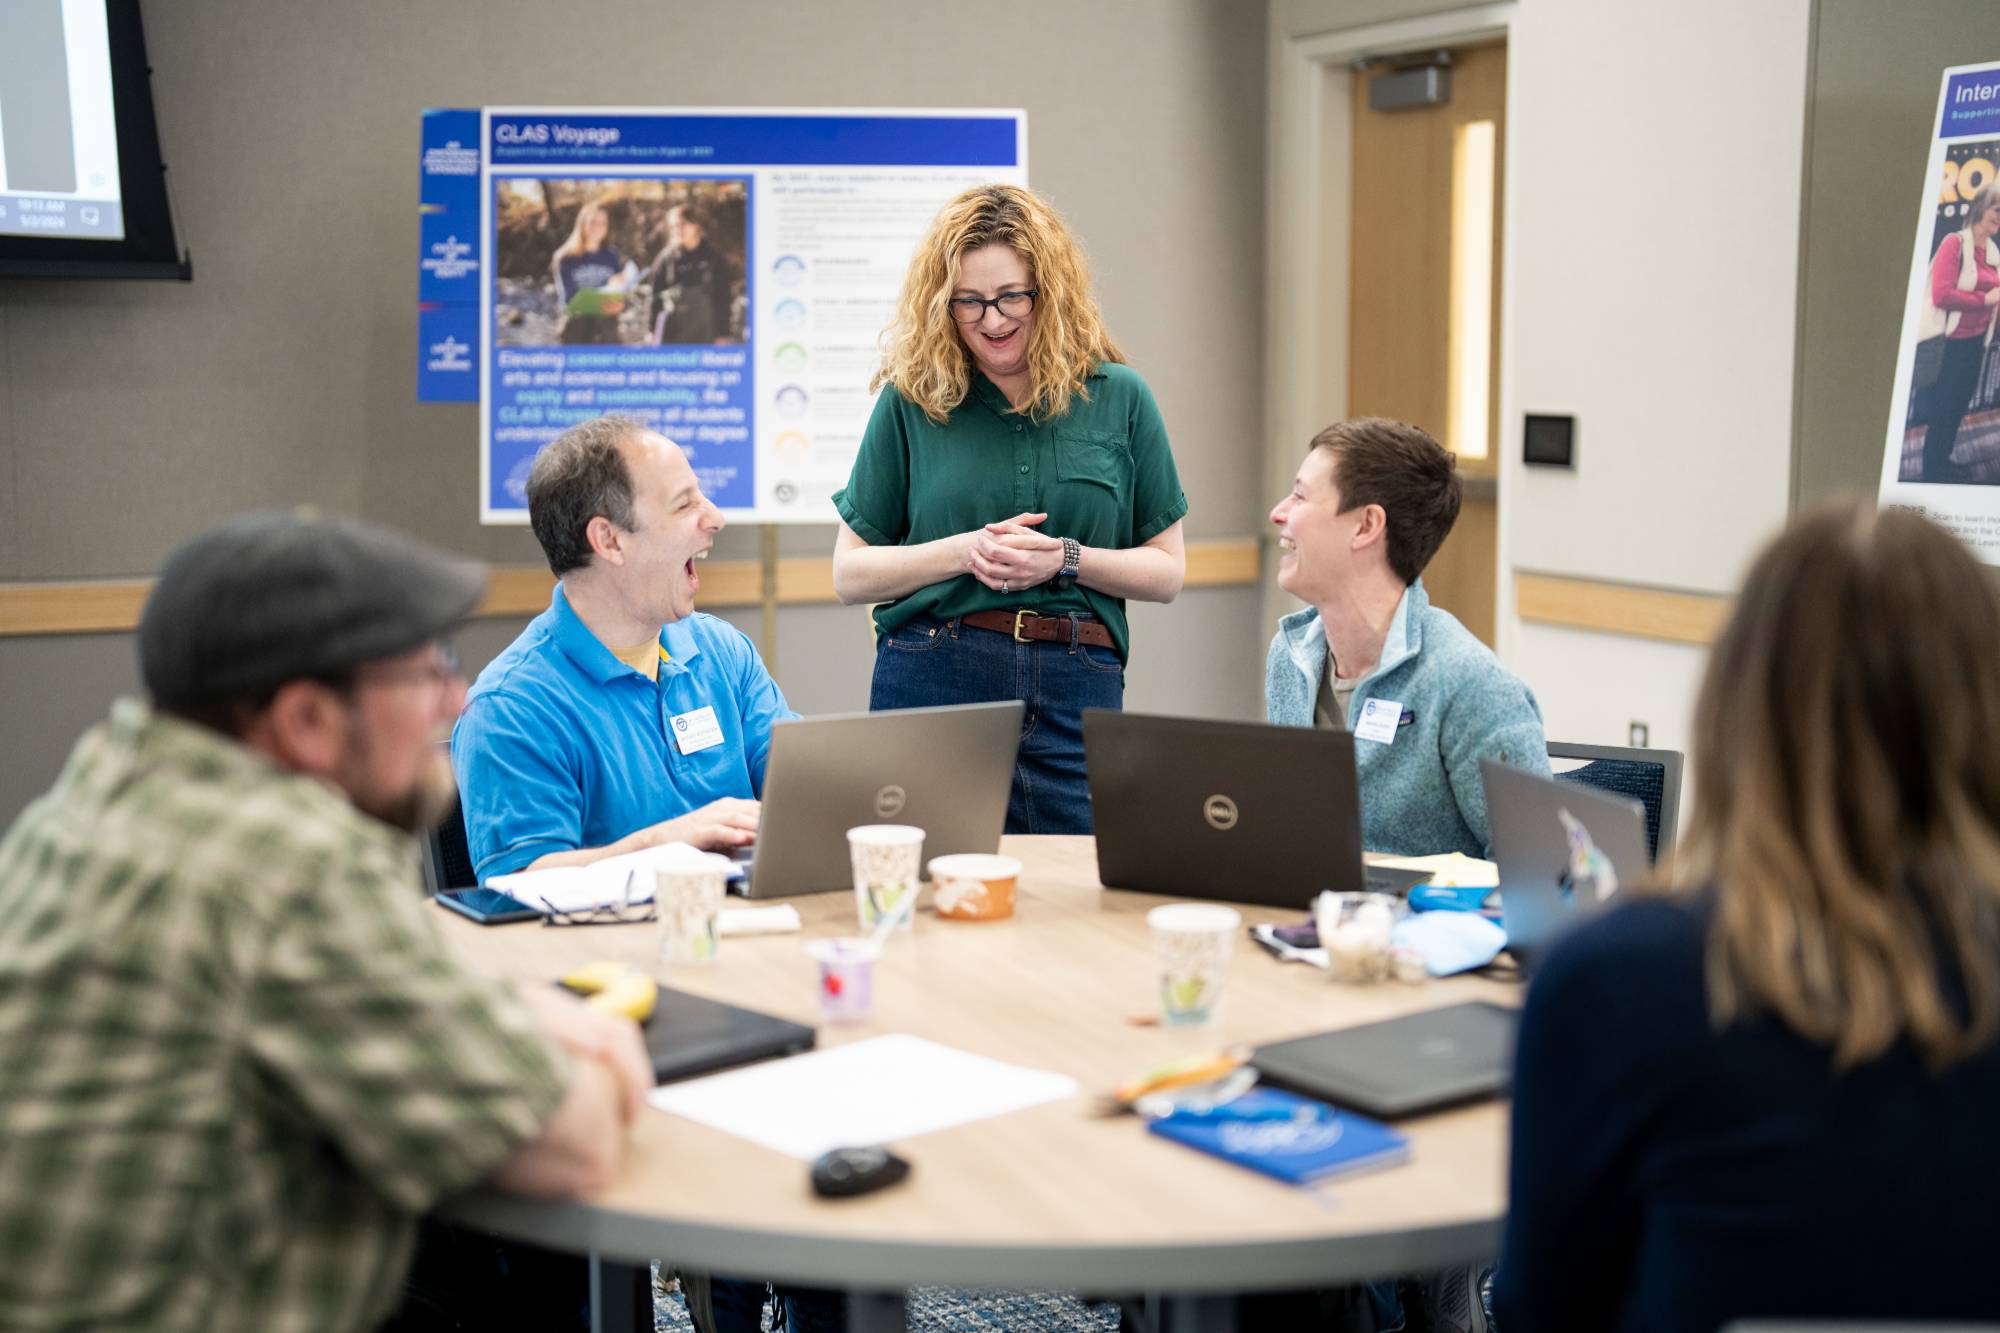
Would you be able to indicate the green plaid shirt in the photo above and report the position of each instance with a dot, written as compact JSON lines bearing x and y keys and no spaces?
{"x":236,"y":1060}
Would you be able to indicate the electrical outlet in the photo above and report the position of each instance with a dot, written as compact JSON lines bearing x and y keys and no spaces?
{"x":1637,"y":735}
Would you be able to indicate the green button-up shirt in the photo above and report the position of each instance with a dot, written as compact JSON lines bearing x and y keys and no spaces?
{"x":236,"y":1059}
{"x":1103,"y":473}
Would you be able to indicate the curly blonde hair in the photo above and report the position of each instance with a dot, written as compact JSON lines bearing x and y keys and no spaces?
{"x":923,"y":355}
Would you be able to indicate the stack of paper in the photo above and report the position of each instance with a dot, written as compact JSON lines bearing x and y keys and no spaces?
{"x":615,"y":879}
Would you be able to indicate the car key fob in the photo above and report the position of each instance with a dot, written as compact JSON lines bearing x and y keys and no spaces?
{"x":846,"y":1172}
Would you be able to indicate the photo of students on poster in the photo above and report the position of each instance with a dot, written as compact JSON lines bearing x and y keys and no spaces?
{"x":623,"y":260}
{"x":1951,"y":432}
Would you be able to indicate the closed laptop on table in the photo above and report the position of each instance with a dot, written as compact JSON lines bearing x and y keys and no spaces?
{"x":1241,"y":811}
{"x":945,"y":770}
{"x":688,"y":1035}
{"x":1400,"y":1066}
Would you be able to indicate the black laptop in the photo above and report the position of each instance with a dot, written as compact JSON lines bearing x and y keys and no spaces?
{"x":1240,"y":811}
{"x":688,"y":1035}
{"x":1401,"y":1066}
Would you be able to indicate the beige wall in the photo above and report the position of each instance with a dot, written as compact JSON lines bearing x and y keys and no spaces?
{"x":132,"y":415}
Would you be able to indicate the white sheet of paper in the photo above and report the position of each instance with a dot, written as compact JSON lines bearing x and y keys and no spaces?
{"x":1379,"y":720}
{"x":875,"y":1091}
{"x":580,"y":888}
{"x":697,"y":730}
{"x":1448,"y":870}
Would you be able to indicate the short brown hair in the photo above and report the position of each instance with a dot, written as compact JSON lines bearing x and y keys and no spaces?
{"x":577,"y":476}
{"x":1377,"y":461}
{"x":1847,"y":790}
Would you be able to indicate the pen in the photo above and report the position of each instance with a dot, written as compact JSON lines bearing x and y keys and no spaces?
{"x":1179,"y":1073}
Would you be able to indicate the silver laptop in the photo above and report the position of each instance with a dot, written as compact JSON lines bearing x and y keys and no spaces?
{"x":1539,"y":826}
{"x":1241,"y":811}
{"x":945,"y":770}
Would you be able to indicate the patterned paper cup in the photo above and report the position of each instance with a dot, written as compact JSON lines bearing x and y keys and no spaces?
{"x":687,"y":900}
{"x":972,"y":887}
{"x":1191,"y":942}
{"x":886,"y":859}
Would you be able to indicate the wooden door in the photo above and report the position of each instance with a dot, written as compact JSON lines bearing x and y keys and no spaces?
{"x":1424,"y":313}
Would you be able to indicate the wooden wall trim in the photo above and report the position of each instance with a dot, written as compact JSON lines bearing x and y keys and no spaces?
{"x":1620,"y":608}
{"x":61,"y":607}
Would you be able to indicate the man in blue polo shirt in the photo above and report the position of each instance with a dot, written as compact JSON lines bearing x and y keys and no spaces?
{"x":620,"y":718}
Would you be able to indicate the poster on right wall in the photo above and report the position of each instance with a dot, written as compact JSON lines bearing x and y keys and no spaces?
{"x":1942,"y":455}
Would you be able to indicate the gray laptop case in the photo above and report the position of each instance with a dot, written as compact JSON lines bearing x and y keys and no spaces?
{"x":1238,"y":811}
{"x":945,"y":770}
{"x":1531,"y":844}
{"x":1400,"y":1066}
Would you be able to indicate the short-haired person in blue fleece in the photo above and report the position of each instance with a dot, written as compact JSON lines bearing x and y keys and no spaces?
{"x":1371,"y":504}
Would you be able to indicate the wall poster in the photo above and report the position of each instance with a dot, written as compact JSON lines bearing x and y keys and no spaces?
{"x":1942,"y":455}
{"x":724,"y":276}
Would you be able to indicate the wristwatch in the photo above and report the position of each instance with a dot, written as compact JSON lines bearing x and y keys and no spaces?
{"x":1072,"y":557}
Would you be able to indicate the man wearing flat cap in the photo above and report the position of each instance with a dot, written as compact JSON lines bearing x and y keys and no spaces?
{"x":238,"y":1059}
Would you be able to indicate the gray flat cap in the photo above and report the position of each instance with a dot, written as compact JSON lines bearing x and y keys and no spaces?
{"x":271,"y":597}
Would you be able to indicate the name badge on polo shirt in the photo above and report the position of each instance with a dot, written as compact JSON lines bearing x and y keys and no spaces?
{"x":697,"y":730}
{"x":1378,"y":720}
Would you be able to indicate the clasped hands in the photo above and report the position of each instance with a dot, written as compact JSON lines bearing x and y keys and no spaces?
{"x":1010,"y":556}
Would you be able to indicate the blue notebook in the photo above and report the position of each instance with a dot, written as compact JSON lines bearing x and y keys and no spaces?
{"x":1309,"y":1144}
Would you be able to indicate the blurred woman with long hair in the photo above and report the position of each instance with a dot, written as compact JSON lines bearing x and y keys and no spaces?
{"x":1770,"y":1091}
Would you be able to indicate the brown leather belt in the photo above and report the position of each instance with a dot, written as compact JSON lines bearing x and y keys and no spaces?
{"x":1027,"y":627}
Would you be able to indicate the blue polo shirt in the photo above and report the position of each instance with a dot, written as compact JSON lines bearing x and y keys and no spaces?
{"x":562,"y":746}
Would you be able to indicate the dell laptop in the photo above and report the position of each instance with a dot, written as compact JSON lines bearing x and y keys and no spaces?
{"x":1240,"y":811}
{"x":945,"y":770}
{"x":1563,"y":850}
{"x":689,"y":1035}
{"x":1400,"y":1066}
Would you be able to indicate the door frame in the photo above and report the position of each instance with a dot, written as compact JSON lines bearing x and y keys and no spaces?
{"x":1309,"y":171}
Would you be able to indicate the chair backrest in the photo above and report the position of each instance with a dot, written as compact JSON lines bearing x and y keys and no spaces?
{"x":1651,"y":777}
{"x":447,"y":859}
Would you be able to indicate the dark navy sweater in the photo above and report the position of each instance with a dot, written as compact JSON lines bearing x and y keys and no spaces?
{"x":1667,"y":1176}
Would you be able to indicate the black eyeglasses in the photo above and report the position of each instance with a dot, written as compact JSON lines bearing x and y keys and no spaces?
{"x":1014,"y":305}
{"x":622,"y":912}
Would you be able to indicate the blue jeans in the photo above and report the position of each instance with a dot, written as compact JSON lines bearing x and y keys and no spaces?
{"x":928,"y":662}
{"x":739,"y":1307}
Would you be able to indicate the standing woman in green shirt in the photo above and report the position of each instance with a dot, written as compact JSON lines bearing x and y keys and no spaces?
{"x":1013,"y":488}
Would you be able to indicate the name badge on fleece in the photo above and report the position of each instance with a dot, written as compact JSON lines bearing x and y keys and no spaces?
{"x":1378,"y":720}
{"x":697,"y":730}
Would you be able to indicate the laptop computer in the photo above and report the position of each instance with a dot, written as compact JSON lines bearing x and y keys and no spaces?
{"x":1540,"y":827}
{"x":1400,"y":1066}
{"x":945,"y":770}
{"x":688,"y":1035}
{"x":1245,"y":812}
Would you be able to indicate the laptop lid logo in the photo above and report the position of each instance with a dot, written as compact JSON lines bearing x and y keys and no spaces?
{"x":1220,"y":812}
{"x":889,"y":801}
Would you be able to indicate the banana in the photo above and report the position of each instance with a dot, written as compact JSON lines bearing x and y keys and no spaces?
{"x":616,"y":988}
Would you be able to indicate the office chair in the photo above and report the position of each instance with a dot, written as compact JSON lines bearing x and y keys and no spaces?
{"x":1853,"y":1326}
{"x":447,"y":859}
{"x":1652,"y":777}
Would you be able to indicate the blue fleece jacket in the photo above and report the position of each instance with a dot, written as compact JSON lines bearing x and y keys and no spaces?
{"x":1420,"y":793}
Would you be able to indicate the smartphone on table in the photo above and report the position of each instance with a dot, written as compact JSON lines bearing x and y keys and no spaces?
{"x":489,"y":907}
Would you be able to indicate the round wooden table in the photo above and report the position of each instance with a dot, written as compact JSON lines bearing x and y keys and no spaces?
{"x":1049,"y":1198}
